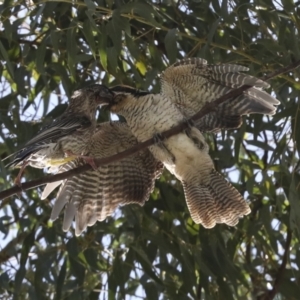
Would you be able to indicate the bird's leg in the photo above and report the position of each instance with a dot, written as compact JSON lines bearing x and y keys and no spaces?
{"x":88,"y":159}
{"x":158,"y":140}
{"x":191,"y":124}
{"x":70,"y":153}
{"x":193,"y":133}
{"x":18,"y":178}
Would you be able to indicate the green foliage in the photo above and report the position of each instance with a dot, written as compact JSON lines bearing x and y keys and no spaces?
{"x":50,"y":48}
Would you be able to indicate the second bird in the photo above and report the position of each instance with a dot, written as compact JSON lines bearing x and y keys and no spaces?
{"x":65,"y":138}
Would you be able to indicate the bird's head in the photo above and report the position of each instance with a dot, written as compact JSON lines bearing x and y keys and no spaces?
{"x":123,"y":96}
{"x":89,"y":98}
{"x":98,"y":94}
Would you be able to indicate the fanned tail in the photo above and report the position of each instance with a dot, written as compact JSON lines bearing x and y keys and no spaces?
{"x":217,"y":202}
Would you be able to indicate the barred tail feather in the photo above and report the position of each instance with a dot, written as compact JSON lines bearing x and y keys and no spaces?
{"x":217,"y":202}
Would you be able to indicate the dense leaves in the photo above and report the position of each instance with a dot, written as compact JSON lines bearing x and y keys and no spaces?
{"x":50,"y":48}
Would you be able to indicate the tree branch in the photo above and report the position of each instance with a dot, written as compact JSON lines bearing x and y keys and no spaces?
{"x":282,"y":267}
{"x":207,"y":108}
{"x":272,"y":293}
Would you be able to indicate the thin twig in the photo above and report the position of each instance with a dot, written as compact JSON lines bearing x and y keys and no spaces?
{"x":207,"y":108}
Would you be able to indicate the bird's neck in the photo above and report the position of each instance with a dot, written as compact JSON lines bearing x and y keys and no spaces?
{"x":129,"y":104}
{"x":84,"y":108}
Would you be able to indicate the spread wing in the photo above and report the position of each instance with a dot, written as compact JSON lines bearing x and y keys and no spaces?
{"x":59,"y":128}
{"x":95,"y":194}
{"x":192,"y":82}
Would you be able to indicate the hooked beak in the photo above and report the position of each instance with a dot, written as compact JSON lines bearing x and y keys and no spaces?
{"x":104,"y":97}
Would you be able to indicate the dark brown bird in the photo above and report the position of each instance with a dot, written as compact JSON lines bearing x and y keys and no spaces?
{"x":185,"y":87}
{"x":65,"y":138}
{"x":95,"y":194}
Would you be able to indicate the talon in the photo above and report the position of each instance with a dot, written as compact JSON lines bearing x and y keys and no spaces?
{"x":158,"y":138}
{"x":91,"y":161}
{"x":70,"y":153}
{"x":190,"y":123}
{"x":17,"y":181}
{"x":88,"y":159}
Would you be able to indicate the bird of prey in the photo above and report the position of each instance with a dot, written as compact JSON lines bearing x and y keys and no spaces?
{"x":64,"y":139}
{"x":95,"y":194}
{"x":185,"y":88}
